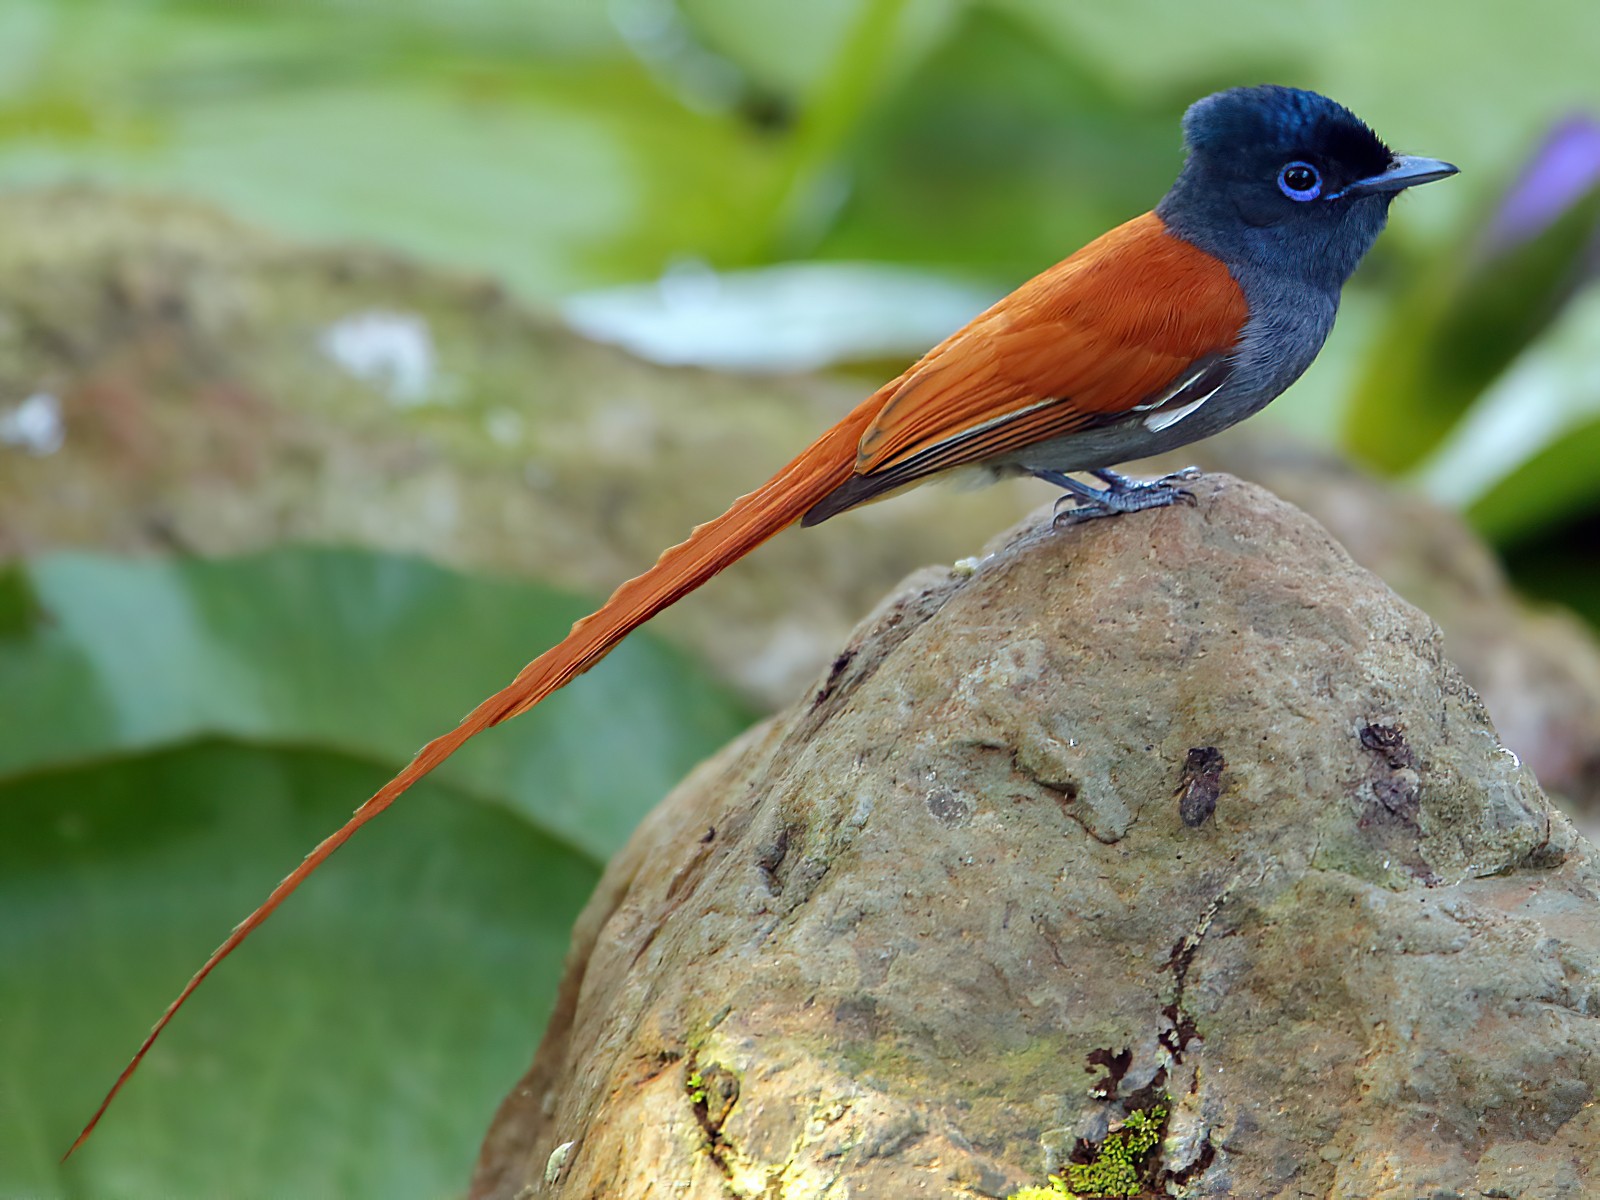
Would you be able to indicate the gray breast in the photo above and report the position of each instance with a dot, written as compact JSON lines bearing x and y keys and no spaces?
{"x":1288,"y":324}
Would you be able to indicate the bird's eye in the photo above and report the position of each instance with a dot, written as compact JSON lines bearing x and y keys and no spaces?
{"x":1300,"y":181}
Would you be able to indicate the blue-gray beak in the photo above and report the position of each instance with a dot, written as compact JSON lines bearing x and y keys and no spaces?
{"x":1403,"y":171}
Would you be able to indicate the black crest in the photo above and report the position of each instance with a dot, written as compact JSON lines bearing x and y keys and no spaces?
{"x":1283,"y":123}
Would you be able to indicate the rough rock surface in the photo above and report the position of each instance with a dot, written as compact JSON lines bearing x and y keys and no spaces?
{"x":1537,"y":669}
{"x":1185,"y":805}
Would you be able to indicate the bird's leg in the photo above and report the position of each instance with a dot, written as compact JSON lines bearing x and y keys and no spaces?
{"x":1118,"y":482}
{"x":1120,"y":495}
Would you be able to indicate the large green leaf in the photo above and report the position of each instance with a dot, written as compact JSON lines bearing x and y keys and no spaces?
{"x":366,"y":654}
{"x":174,"y":736}
{"x":999,"y":154}
{"x":1556,"y":484}
{"x":356,"y":1047}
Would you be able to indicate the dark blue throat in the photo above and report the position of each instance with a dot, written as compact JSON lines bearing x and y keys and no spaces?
{"x":1290,"y":265}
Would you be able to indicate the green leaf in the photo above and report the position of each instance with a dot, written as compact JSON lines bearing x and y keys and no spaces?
{"x":998,"y":153}
{"x":356,"y":1047}
{"x":366,"y":654}
{"x":174,"y":737}
{"x":789,"y":48}
{"x":1557,"y":483}
{"x":18,"y":607}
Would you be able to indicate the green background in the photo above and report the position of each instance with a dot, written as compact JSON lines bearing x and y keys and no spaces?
{"x":174,"y":734}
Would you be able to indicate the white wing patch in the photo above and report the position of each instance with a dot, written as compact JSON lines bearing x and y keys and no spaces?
{"x":1166,"y":419}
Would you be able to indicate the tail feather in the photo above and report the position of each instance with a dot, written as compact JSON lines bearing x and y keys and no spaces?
{"x":753,"y":519}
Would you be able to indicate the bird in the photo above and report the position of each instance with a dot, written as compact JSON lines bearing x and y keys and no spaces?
{"x":1169,"y":328}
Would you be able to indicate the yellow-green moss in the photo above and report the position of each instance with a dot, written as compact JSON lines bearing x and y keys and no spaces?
{"x":1116,"y":1166}
{"x":695,"y":1085}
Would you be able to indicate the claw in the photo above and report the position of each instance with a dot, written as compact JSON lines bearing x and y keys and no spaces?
{"x":1075,"y":514}
{"x":1120,"y":495}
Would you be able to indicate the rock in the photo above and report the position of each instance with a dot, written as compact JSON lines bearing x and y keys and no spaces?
{"x":1181,"y":811}
{"x":1537,"y":669}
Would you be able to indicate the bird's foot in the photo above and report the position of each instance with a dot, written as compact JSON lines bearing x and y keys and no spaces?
{"x":1120,"y":495}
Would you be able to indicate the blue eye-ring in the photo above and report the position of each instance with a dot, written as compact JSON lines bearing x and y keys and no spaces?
{"x":1300,"y":181}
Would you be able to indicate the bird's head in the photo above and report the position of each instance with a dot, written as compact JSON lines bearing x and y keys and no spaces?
{"x":1286,"y":180}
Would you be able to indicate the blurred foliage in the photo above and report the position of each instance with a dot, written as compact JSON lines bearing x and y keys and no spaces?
{"x":326,"y":649}
{"x":564,"y":145}
{"x":359,"y":1048}
{"x":1489,"y":299}
{"x":173,"y":735}
{"x":177,"y":735}
{"x":1521,"y":459}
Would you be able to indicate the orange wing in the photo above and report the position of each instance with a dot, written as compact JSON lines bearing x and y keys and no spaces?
{"x":1092,"y":337}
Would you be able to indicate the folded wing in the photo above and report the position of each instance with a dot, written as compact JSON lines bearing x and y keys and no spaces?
{"x":1112,"y":329}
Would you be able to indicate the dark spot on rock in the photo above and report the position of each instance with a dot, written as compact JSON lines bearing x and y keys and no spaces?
{"x":1389,"y":741}
{"x":1207,"y":1156}
{"x":840,"y":664}
{"x":1115,"y":1063}
{"x":770,"y":857}
{"x":1398,"y":794}
{"x":947,"y":807}
{"x":1150,"y":1095}
{"x":1389,"y":803}
{"x":1201,"y":785}
{"x":709,"y":836}
{"x":1183,"y":1031}
{"x":1396,"y":786}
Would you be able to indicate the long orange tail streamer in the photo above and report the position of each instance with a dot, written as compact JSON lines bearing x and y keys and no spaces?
{"x":823,"y":466}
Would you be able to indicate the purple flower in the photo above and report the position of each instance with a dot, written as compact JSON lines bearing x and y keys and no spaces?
{"x":1564,"y":170}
